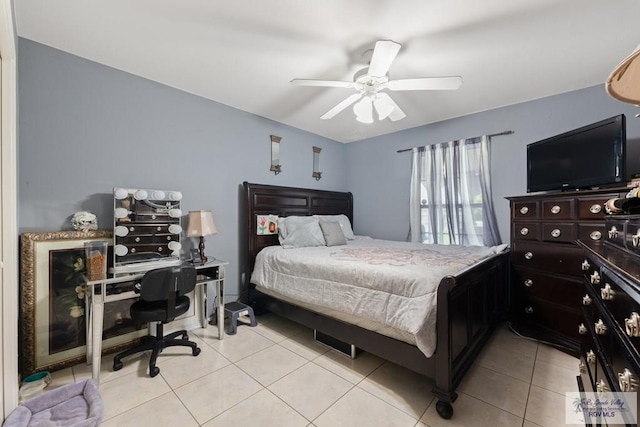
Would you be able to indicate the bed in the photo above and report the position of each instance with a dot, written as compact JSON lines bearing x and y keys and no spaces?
{"x":468,"y":303}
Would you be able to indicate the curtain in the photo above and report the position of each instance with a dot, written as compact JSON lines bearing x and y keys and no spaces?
{"x":451,"y":194}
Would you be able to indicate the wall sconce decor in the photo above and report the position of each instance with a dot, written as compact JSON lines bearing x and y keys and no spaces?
{"x":316,"y":163}
{"x":275,"y":154}
{"x":201,"y":224}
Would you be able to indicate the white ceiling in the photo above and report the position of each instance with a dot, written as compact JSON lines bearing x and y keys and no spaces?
{"x":243,"y":53}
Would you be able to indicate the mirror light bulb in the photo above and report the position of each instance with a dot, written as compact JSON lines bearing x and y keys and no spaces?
{"x":121,"y":250}
{"x":120,"y":193}
{"x":175,"y":229}
{"x":140,"y":195}
{"x":121,"y":231}
{"x":157,"y":195}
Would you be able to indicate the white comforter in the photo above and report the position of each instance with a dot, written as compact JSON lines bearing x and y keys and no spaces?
{"x":392,"y":283}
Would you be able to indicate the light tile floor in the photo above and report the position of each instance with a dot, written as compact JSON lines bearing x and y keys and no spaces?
{"x":276,"y":375}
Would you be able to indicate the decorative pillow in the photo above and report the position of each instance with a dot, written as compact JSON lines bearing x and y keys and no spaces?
{"x":299,"y":232}
{"x":345,"y":224}
{"x":332,"y":232}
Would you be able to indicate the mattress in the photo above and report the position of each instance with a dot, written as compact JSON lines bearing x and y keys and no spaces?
{"x":386,"y":286}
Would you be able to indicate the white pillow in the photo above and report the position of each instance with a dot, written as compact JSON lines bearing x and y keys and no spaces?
{"x":345,"y":224}
{"x":300,"y":232}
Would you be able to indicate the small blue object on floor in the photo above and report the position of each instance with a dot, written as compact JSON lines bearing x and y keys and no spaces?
{"x":72,"y":405}
{"x":233,"y":310}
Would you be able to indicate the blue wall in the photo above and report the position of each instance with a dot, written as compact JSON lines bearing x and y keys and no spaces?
{"x":85,"y":128}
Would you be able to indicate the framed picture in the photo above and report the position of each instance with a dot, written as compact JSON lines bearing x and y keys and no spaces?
{"x":52,"y":303}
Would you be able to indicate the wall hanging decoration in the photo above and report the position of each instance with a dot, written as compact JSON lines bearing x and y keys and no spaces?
{"x":52,"y":306}
{"x":275,"y":155}
{"x":316,"y":163}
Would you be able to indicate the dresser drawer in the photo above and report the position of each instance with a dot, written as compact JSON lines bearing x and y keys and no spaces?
{"x":561,"y":259}
{"x":559,"y":232}
{"x":522,"y":230}
{"x":616,"y":229}
{"x":593,"y":207}
{"x":549,"y":316}
{"x":558,"y":209}
{"x":594,"y":232}
{"x":523,"y":210}
{"x":558,"y":290}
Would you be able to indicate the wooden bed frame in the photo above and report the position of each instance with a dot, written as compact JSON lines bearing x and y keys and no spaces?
{"x":469,"y":305}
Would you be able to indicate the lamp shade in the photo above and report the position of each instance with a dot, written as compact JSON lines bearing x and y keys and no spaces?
{"x":201,"y":224}
{"x":624,"y":81}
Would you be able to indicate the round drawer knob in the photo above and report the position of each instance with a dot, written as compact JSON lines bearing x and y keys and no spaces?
{"x":137,"y":239}
{"x":595,"y":208}
{"x":524,"y":231}
{"x":632,"y":324}
{"x":635,"y":239}
{"x":591,"y":357}
{"x":613,"y":233}
{"x":582,"y":368}
{"x":153,"y":217}
{"x":132,"y":229}
{"x":159,"y":228}
{"x":555,"y":209}
{"x":595,"y":235}
{"x":528,"y":283}
{"x":626,"y":381}
{"x":595,"y":278}
{"x":607,"y":293}
{"x":524,"y":210}
{"x":582,"y":329}
{"x":586,"y":300}
{"x":133,"y":250}
{"x":556,"y":233}
{"x":528,"y":255}
{"x":528,"y":310}
{"x":585,"y":265}
{"x":601,"y":386}
{"x":168,"y":237}
{"x":600,"y":327}
{"x":159,"y":248}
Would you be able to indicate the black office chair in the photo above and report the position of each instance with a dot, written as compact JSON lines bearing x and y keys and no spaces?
{"x":162,"y":299}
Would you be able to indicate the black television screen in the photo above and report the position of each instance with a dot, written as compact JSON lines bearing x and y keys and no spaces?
{"x":587,"y":157}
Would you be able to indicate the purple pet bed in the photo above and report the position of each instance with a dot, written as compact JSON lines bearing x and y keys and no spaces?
{"x":73,"y":405}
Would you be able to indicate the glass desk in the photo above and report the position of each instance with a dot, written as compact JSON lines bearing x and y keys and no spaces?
{"x":100,"y":292}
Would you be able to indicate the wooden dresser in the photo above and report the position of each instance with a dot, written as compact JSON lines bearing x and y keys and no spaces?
{"x":610,"y":312}
{"x":546,"y":281}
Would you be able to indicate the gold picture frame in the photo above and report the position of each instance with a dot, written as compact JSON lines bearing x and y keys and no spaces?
{"x":53,"y":328}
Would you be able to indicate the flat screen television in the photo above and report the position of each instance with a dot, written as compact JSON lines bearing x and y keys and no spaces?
{"x":587,"y":157}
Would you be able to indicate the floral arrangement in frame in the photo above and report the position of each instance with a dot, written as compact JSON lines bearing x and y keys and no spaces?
{"x":267,"y":224}
{"x":52,"y":303}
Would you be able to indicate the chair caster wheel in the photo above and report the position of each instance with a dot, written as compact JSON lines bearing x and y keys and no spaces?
{"x":117,"y":366}
{"x":444,"y":409}
{"x":154,"y":371}
{"x":196,"y":351}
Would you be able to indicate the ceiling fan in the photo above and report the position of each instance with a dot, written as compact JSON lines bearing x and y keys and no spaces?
{"x":370,"y":81}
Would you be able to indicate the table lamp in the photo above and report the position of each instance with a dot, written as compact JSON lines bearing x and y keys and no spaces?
{"x":201,"y":224}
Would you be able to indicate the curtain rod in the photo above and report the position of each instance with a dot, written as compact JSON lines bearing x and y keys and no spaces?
{"x":506,"y":132}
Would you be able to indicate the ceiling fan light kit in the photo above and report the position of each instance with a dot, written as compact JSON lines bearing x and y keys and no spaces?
{"x":370,"y":81}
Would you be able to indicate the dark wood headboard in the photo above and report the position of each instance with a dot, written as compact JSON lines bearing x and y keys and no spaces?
{"x":285,"y":201}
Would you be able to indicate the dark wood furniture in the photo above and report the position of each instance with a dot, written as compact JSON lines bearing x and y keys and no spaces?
{"x":610,"y":312}
{"x":469,"y":305}
{"x":546,"y":284}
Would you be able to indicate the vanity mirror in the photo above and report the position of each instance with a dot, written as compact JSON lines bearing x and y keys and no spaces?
{"x":146,"y":228}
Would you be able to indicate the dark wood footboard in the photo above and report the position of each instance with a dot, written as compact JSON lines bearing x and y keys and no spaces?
{"x":469,"y":304}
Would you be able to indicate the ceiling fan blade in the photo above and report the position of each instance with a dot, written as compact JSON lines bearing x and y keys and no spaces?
{"x":324,"y":83}
{"x":341,"y":106}
{"x":426,"y":83}
{"x":396,"y":113}
{"x":383,"y":55}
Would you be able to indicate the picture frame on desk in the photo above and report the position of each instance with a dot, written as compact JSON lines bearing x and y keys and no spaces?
{"x":52,"y":303}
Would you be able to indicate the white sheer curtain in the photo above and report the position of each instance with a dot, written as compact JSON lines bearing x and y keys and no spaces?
{"x":451,"y":194}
